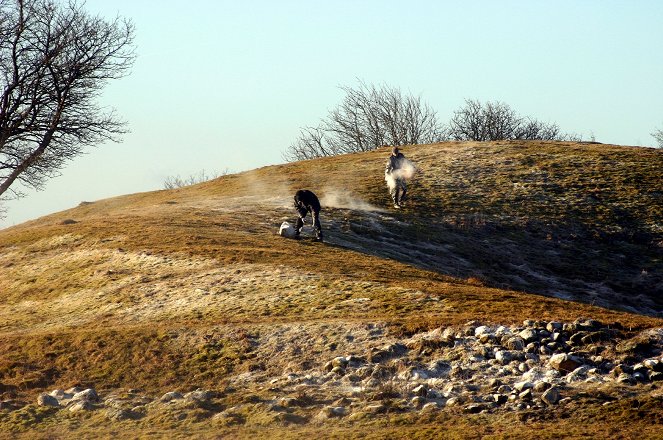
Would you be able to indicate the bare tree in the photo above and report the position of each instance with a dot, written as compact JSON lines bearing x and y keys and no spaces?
{"x":367,"y":118}
{"x":658,"y":135}
{"x":55,"y":59}
{"x":497,"y":121}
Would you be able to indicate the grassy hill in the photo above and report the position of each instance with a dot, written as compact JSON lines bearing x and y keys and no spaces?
{"x":192,"y":289}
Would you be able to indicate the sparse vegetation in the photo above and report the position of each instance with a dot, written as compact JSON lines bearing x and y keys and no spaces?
{"x":496,"y":121}
{"x":658,"y":136}
{"x":179,"y":290}
{"x":172,"y":182}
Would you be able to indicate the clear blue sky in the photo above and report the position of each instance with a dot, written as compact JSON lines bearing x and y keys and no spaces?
{"x":226,"y":84}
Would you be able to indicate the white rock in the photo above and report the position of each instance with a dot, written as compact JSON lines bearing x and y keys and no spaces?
{"x":81,"y":405}
{"x":88,"y":394}
{"x":171,"y":395}
{"x":287,"y":230}
{"x":522,"y":386}
{"x":47,"y":400}
{"x":58,"y":394}
{"x":482,"y":330}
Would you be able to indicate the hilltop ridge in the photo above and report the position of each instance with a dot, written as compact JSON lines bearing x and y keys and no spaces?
{"x":192,"y":288}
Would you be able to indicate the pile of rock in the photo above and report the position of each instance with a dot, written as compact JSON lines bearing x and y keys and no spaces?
{"x":491,"y":367}
{"x":472,"y":368}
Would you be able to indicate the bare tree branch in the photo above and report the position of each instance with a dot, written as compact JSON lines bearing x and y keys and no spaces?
{"x":497,"y":121}
{"x":658,"y":135}
{"x":54,"y":62}
{"x":367,"y":118}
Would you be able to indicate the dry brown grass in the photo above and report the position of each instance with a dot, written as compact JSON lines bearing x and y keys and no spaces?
{"x":182,"y":288}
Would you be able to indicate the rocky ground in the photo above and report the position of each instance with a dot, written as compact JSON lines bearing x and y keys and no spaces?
{"x":533,"y":368}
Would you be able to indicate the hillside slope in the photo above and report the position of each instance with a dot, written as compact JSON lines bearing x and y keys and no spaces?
{"x":181,"y":289}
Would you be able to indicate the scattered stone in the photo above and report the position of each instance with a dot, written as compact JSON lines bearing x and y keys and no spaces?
{"x":420,"y":390}
{"x":171,"y":395}
{"x":528,"y":335}
{"x":199,"y":395}
{"x":500,"y":399}
{"x":118,"y":414}
{"x":625,"y":378}
{"x":375,"y":409}
{"x":515,"y":343}
{"x":526,"y":395}
{"x":564,"y":362}
{"x":640,"y":376}
{"x":522,"y":386}
{"x":88,"y":394}
{"x":418,"y":401}
{"x":58,"y":394}
{"x":494,"y":383}
{"x":654,"y":365}
{"x":474,"y":408}
{"x":430,"y":406}
{"x":482,"y":330}
{"x":554,"y":326}
{"x":504,"y":357}
{"x":81,"y":405}
{"x":541,"y":386}
{"x":47,"y":400}
{"x":550,"y":396}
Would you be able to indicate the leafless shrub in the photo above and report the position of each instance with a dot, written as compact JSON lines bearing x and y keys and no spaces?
{"x":172,"y":182}
{"x":494,"y":121}
{"x":658,"y":135}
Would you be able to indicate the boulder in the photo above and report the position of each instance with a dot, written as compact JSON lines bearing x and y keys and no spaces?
{"x":199,"y":395}
{"x":287,"y":230}
{"x":550,"y":396}
{"x":526,"y":395}
{"x":655,"y":376}
{"x":564,"y":362}
{"x":554,"y":326}
{"x":522,"y":386}
{"x":430,"y":406}
{"x":504,"y":357}
{"x":171,"y":395}
{"x":58,"y":394}
{"x":88,"y":394}
{"x":528,"y":335}
{"x":653,"y":364}
{"x":420,"y":390}
{"x":81,"y":405}
{"x":482,"y":330}
{"x":499,"y":399}
{"x":418,"y":401}
{"x":626,"y":379}
{"x":541,"y":386}
{"x":118,"y":414}
{"x":515,"y":343}
{"x":47,"y":400}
